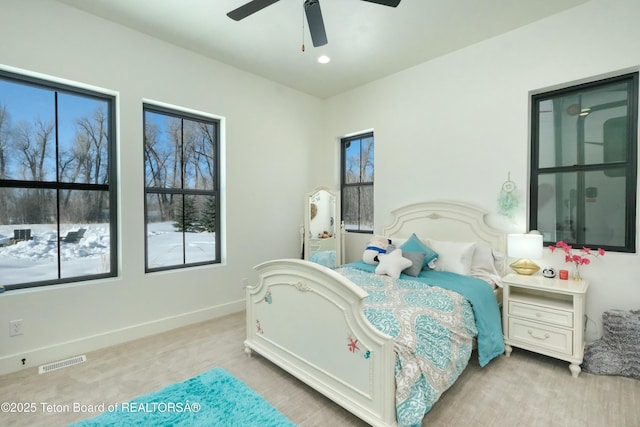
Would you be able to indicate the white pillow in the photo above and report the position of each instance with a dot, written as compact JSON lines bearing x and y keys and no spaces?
{"x":487,"y":264}
{"x":454,"y":257}
{"x":392,"y":264}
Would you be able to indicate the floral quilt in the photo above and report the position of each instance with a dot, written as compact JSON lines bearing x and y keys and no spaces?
{"x":433,"y":330}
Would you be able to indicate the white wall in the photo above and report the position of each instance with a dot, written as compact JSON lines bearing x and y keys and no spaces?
{"x":264,"y":200}
{"x":453,"y":128}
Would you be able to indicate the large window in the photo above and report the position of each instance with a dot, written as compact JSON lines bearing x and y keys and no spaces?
{"x":57,"y":183}
{"x":583,"y":164}
{"x":182,"y":181}
{"x":357,"y":182}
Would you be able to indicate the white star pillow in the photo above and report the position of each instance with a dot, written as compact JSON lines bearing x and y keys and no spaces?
{"x":392,"y":264}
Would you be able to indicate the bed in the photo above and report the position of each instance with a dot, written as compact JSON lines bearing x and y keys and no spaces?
{"x":318,"y":323}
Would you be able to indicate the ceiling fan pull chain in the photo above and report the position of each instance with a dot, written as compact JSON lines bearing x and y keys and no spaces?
{"x":303,"y":27}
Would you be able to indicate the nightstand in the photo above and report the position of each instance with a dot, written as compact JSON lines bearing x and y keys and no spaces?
{"x":545,"y":316}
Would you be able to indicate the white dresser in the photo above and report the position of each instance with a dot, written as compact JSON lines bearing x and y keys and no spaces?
{"x":545,"y":316}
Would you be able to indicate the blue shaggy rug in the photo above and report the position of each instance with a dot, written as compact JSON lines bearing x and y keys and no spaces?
{"x":214,"y":398}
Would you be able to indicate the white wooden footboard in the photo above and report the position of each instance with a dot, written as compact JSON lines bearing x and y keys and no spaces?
{"x":309,"y":320}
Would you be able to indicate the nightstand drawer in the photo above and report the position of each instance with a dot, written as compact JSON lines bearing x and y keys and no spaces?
{"x":541,"y":314}
{"x":539,"y":335}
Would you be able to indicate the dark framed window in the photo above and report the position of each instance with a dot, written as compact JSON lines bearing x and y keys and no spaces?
{"x":584,"y":164}
{"x":182,"y":189}
{"x":58,"y":211}
{"x":357,"y":182}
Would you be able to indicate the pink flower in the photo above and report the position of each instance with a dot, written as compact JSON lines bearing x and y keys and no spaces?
{"x":582,"y":258}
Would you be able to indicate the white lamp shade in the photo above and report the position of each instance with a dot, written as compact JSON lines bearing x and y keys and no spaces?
{"x":528,"y":246}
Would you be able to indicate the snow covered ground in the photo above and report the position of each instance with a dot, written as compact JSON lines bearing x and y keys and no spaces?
{"x":36,"y":259}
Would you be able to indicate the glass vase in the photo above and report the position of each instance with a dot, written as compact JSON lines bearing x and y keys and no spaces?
{"x":576,"y":273}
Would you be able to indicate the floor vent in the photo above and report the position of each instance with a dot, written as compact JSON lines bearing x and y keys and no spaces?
{"x":62,"y":364}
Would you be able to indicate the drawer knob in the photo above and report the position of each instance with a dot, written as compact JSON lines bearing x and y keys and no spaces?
{"x":545,"y":337}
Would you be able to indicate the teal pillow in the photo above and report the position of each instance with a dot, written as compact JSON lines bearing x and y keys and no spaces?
{"x":414,"y":244}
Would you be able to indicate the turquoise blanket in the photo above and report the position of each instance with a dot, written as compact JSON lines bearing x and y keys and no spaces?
{"x":483,"y":302}
{"x":432,"y":330}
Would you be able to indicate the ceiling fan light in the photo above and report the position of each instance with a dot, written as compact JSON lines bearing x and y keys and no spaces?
{"x":324,"y":59}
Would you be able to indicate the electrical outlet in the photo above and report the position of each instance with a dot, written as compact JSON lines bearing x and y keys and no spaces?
{"x":15,"y":327}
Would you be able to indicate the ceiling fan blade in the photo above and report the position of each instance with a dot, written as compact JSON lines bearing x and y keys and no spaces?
{"x":392,"y":3}
{"x":249,"y":9}
{"x":316,"y":24}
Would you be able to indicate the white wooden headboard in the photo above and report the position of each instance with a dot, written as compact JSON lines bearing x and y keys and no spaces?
{"x":445,"y":220}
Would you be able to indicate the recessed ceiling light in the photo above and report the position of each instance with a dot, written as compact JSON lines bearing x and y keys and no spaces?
{"x":324,"y":59}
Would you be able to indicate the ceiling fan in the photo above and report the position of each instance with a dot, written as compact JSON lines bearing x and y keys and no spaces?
{"x":312,"y":10}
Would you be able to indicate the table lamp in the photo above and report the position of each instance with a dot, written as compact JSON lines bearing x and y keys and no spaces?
{"x":524,"y":247}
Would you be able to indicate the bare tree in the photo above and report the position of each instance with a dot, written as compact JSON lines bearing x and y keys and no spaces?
{"x":156,"y":163}
{"x":92,"y":143}
{"x":181,"y":157}
{"x":86,"y":161}
{"x":197,"y":151}
{"x":366,"y":160}
{"x":32,"y":142}
{"x":5,"y":134}
{"x":190,"y":171}
{"x":154,"y":159}
{"x":92,"y":133}
{"x":204,"y":154}
{"x":174,"y":127}
{"x":358,"y":200}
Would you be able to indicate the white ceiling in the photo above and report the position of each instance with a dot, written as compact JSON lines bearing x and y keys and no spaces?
{"x":366,"y":41}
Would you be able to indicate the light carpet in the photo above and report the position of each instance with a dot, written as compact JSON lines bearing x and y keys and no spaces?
{"x":214,"y":398}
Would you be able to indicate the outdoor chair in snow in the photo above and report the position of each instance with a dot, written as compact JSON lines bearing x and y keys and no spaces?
{"x":22,"y":234}
{"x":73,"y":236}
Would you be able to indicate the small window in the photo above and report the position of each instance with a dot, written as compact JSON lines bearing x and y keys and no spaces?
{"x":182,"y":200}
{"x":58,"y":198}
{"x":357,"y":182}
{"x":584,"y":163}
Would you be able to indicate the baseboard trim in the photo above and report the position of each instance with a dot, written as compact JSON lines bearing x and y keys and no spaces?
{"x":13,"y":362}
